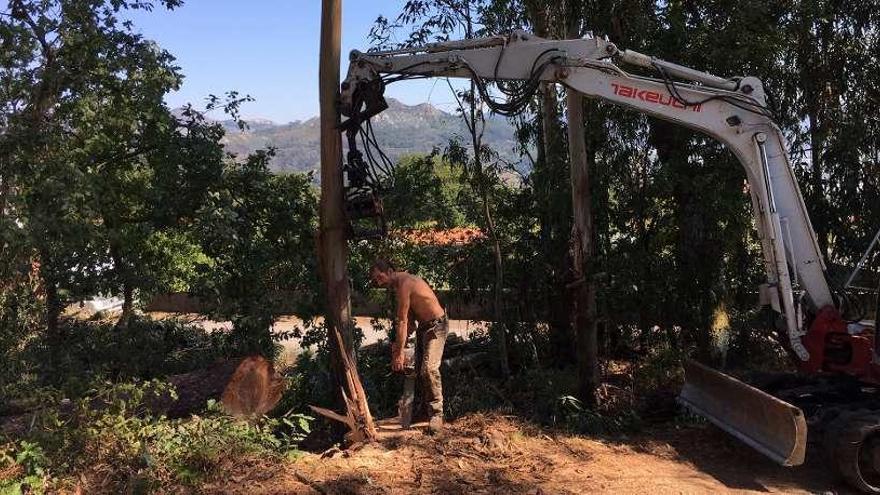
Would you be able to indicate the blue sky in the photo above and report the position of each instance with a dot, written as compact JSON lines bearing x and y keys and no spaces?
{"x":269,"y":50}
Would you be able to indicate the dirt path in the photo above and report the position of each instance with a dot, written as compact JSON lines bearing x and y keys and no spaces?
{"x":498,"y":455}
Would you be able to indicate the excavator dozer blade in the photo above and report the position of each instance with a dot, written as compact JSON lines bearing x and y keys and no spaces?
{"x":772,"y":426}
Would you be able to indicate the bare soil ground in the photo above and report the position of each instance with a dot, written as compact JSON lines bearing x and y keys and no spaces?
{"x":499,"y":454}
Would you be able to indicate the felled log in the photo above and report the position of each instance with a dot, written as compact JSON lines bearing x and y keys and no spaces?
{"x":244,"y":387}
{"x":247,"y":386}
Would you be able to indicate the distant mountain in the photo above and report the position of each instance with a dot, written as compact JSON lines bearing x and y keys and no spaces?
{"x":400,"y":130}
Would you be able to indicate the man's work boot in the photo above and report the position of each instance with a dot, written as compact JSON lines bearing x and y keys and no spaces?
{"x":435,"y":424}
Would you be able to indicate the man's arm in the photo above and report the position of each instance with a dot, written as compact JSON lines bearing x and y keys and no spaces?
{"x":403,"y":299}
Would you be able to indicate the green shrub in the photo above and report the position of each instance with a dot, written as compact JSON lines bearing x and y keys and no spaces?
{"x":22,"y":468}
{"x":109,"y":434}
{"x":661,"y":368}
{"x":20,"y":320}
{"x":96,"y":351}
{"x":570,"y":414}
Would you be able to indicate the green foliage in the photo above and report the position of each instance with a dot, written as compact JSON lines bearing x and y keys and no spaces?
{"x":76,"y":149}
{"x":257,"y":228}
{"x":662,"y":368}
{"x":28,"y":462}
{"x":424,"y":195}
{"x":572,"y":415}
{"x":116,"y":194}
{"x":93,"y":351}
{"x":20,"y":314}
{"x":120,"y":446}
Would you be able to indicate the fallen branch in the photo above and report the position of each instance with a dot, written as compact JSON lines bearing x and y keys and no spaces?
{"x":327,"y":413}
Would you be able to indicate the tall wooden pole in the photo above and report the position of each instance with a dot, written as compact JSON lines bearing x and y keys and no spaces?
{"x":332,"y":242}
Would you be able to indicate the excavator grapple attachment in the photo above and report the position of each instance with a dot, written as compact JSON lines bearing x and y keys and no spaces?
{"x":772,"y":426}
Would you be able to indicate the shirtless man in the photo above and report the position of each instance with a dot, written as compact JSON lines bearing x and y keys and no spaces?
{"x":414,"y":295}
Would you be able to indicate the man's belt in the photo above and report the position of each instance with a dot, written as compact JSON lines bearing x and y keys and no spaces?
{"x":435,"y":321}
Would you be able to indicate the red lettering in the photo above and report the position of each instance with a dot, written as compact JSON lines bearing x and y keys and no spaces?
{"x":652,"y":97}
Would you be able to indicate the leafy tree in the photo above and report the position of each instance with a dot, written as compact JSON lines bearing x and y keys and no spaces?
{"x":425,"y":194}
{"x":64,"y":64}
{"x":826,"y":90}
{"x":257,"y":229}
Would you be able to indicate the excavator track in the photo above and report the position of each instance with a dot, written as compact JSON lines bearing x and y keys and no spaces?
{"x":852,"y":443}
{"x":773,"y":412}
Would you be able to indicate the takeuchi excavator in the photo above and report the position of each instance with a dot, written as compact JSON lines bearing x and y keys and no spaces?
{"x":833,"y":400}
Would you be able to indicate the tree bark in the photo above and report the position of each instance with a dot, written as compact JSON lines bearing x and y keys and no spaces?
{"x":583,"y":286}
{"x":4,"y":194}
{"x":332,"y":241}
{"x":53,"y":312}
{"x":333,"y":245}
{"x":122,"y":271}
{"x":127,"y":306}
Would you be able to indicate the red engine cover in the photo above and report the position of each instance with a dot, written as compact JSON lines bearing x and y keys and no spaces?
{"x":833,"y":349}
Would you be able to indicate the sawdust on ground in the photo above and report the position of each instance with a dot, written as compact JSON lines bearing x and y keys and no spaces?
{"x":501,"y":455}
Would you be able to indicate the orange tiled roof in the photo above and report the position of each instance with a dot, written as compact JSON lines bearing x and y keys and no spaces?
{"x":441,"y":237}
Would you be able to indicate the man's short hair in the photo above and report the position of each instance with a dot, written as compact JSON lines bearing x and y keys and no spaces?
{"x":382,"y":265}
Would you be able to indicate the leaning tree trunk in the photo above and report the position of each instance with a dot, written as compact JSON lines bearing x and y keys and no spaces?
{"x":54,"y":307}
{"x":332,"y":230}
{"x":127,"y":306}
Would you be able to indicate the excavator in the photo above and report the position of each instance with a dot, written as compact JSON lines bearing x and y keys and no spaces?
{"x":832,"y":401}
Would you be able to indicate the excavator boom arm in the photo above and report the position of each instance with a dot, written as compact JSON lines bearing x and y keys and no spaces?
{"x":732,"y":111}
